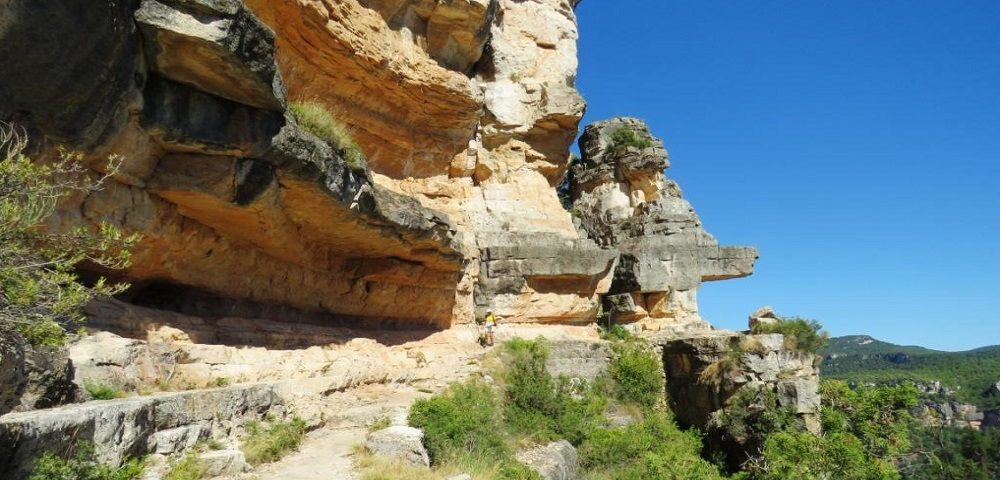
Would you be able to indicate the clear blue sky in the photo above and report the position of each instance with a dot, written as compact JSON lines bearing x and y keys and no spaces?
{"x":855,"y":143}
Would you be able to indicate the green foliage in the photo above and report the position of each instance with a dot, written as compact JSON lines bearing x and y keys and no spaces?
{"x":616,"y":333}
{"x":269,"y":444}
{"x":83,"y":465}
{"x":969,"y":373}
{"x":805,"y":456}
{"x":317,"y":120}
{"x":878,"y":416}
{"x":464,"y":419}
{"x":953,"y":454}
{"x":103,"y":392}
{"x":545,"y":407}
{"x":800,"y":334}
{"x":651,"y":448}
{"x":751,"y":415}
{"x":40,"y":294}
{"x":624,"y":136}
{"x":380,"y":424}
{"x":866,"y":433}
{"x":637,"y":375}
{"x":189,"y":467}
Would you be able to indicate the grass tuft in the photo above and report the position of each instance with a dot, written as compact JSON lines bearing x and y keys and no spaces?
{"x":314,"y":118}
{"x":268,"y":444}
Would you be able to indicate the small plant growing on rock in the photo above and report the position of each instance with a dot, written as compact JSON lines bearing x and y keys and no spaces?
{"x":801,"y":334}
{"x":625,"y":136}
{"x":83,"y":465}
{"x":269,"y":444}
{"x":314,"y":118}
{"x":103,"y":392}
{"x":189,"y":467}
{"x":381,"y":423}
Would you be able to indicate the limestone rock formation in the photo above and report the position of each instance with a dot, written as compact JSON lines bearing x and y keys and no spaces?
{"x":463,"y":109}
{"x":702,"y":374}
{"x":399,"y":443}
{"x":624,"y":202}
{"x":121,"y":429}
{"x":553,"y":461}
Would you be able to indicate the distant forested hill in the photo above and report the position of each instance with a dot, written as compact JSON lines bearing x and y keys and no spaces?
{"x":861,"y":358}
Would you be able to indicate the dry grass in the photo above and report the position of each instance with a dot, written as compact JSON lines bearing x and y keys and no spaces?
{"x":317,"y":120}
{"x":373,"y":467}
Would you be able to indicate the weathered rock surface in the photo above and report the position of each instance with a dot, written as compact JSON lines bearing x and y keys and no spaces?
{"x":121,"y":429}
{"x":401,"y":443}
{"x":624,"y":202}
{"x":33,"y":377}
{"x":553,"y":461}
{"x":702,"y":374}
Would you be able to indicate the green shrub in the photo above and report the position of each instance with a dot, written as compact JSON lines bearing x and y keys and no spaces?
{"x":743,"y":426}
{"x":624,"y":136}
{"x":616,"y":333}
{"x":651,"y":448}
{"x":317,"y":120}
{"x":464,"y":419}
{"x":40,"y":294}
{"x":800,"y":334}
{"x":380,"y":424}
{"x":83,"y":465}
{"x":103,"y":392}
{"x":805,"y":456}
{"x":542,"y":406}
{"x":637,"y":375}
{"x":189,"y":467}
{"x":269,"y":444}
{"x":878,"y":416}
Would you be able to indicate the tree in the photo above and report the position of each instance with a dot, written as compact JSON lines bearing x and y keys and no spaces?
{"x":41,"y":295}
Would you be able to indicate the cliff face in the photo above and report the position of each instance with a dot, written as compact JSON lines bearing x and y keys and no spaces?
{"x":465,"y":111}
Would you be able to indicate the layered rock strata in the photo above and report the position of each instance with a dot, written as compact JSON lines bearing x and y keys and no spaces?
{"x":622,"y":200}
{"x":703,"y":372}
{"x":464,"y":110}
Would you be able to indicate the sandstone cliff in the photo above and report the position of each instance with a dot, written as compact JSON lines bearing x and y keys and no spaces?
{"x":258,"y":233}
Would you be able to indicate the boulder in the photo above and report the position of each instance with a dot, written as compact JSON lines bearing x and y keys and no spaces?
{"x":218,"y":463}
{"x":554,"y":461}
{"x":401,"y":443}
{"x":762,"y":316}
{"x":12,"y":369}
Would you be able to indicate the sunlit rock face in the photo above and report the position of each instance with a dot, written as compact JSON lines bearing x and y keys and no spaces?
{"x":623,"y":201}
{"x":464,"y":110}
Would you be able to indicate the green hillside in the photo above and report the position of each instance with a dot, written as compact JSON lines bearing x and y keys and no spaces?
{"x":865,"y":345}
{"x":865,"y":359}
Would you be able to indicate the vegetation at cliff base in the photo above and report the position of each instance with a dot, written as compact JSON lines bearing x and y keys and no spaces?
{"x":474,"y":421}
{"x":83,"y":465}
{"x":40,"y":293}
{"x":316,"y":119}
{"x":264,"y":444}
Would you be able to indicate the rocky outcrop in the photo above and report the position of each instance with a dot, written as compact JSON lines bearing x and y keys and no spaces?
{"x":33,"y":377}
{"x":399,"y":443}
{"x":233,"y":199}
{"x":122,"y":429}
{"x":705,"y":371}
{"x":464,"y":110}
{"x":553,"y":461}
{"x":623,"y":201}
